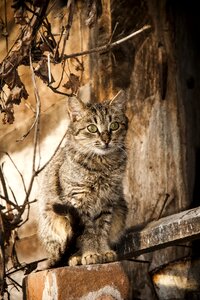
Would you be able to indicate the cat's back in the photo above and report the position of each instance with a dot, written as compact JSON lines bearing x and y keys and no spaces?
{"x":50,"y":175}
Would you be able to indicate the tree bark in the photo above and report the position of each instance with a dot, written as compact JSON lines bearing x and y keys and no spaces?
{"x":160,"y":73}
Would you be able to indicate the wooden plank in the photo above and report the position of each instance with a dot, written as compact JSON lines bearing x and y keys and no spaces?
{"x":177,"y":279}
{"x":167,"y":231}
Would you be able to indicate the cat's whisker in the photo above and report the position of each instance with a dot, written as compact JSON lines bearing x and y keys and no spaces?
{"x":123,"y":150}
{"x":87,"y":154}
{"x":80,"y":157}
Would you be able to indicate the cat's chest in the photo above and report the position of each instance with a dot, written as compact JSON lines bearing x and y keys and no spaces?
{"x":85,"y":180}
{"x":81,"y":186}
{"x":74,"y":174}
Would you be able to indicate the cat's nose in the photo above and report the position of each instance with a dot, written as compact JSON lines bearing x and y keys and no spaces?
{"x":105,"y":137}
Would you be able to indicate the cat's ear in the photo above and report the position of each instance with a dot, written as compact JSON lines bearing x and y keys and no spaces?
{"x":119,"y":101}
{"x":75,"y":108}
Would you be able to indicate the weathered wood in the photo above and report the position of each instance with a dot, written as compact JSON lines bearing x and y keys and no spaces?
{"x":168,"y":231}
{"x":163,"y":134}
{"x":178,"y":280}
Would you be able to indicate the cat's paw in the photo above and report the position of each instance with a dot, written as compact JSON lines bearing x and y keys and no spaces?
{"x":74,"y":260}
{"x":89,"y":258}
{"x":109,"y":256}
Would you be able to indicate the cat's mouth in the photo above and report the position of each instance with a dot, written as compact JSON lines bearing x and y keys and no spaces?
{"x":103,"y":150}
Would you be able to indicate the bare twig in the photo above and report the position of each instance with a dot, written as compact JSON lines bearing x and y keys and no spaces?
{"x":26,"y":203}
{"x":6,"y":25}
{"x":59,"y":92}
{"x":56,"y":150}
{"x":61,"y":77}
{"x":31,"y":265}
{"x":3,"y":183}
{"x":48,"y":26}
{"x":20,"y":174}
{"x":13,"y":195}
{"x":163,"y":206}
{"x":28,"y":212}
{"x":46,"y":40}
{"x":49,"y":67}
{"x":113,"y":32}
{"x":15,"y":283}
{"x":68,"y":26}
{"x":9,"y":202}
{"x":19,"y":207}
{"x":29,"y":130}
{"x":38,"y":110}
{"x":108,"y":46}
{"x":56,"y":53}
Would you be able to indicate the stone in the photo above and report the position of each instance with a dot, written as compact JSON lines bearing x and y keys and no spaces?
{"x":92,"y":282}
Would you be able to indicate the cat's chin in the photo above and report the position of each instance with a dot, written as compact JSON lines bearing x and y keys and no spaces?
{"x":104,"y":151}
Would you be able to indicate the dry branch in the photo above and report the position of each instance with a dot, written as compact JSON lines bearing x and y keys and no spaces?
{"x":38,"y":40}
{"x":108,"y":46}
{"x":15,"y":166}
{"x":68,"y":26}
{"x":16,"y":57}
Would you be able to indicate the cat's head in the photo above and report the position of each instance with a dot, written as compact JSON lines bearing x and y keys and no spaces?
{"x":98,"y":128}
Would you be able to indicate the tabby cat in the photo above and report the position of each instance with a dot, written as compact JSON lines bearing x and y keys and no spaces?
{"x":82,"y":208}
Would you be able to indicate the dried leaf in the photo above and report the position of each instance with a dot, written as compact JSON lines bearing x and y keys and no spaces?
{"x":42,"y":71}
{"x":3,"y":30}
{"x":8,"y":115}
{"x":78,"y":64}
{"x":73,"y":83}
{"x":11,"y":78}
{"x":20,"y":16}
{"x":16,"y":94}
{"x":46,"y":43}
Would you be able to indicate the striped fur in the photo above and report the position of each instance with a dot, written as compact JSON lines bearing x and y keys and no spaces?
{"x":82,"y":208}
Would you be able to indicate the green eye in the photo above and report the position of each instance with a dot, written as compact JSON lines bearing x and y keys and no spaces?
{"x":114,"y":125}
{"x":92,"y":128}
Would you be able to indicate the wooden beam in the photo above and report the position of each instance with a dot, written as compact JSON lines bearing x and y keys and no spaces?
{"x":167,"y":231}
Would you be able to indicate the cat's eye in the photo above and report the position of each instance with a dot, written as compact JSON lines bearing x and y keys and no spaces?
{"x":92,"y":128}
{"x":114,"y":125}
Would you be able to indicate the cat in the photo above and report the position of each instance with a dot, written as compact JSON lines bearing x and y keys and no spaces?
{"x":82,"y":211}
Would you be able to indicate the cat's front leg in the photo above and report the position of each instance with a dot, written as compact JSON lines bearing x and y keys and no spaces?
{"x":56,"y":233}
{"x":104,"y":227}
{"x":118,"y":222}
{"x":87,"y":258}
{"x":95,"y":241}
{"x":88,"y":247}
{"x":107,"y":254}
{"x":75,"y":259}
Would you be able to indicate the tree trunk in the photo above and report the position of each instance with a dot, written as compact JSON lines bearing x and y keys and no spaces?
{"x":160,"y":72}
